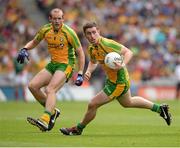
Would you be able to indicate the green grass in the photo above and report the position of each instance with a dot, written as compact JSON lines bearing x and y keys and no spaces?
{"x":113,"y":126}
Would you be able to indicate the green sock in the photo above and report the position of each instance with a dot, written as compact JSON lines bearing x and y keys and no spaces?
{"x":156,"y":108}
{"x":80,"y":126}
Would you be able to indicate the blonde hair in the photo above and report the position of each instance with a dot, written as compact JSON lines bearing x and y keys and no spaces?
{"x":55,"y":10}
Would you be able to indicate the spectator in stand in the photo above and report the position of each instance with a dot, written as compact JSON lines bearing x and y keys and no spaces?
{"x":150,"y":25}
{"x":177,"y":76}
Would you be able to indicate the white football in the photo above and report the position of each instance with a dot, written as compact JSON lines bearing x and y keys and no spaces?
{"x":112,"y":57}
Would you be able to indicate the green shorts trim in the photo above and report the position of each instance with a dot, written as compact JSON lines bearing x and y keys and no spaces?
{"x":52,"y":67}
{"x":114,"y":91}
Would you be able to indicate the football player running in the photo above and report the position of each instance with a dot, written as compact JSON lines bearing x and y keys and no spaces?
{"x":117,"y":83}
{"x":62,"y":44}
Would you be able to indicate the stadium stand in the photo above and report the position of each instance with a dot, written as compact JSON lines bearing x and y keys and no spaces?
{"x":151,"y":29}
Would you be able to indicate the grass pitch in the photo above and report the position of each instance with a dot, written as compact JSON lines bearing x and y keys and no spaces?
{"x":113,"y":126}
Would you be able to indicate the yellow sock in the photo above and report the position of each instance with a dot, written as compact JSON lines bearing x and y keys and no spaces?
{"x":46,"y":117}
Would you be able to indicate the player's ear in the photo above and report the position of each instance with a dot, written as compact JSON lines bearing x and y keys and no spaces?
{"x":98,"y":30}
{"x":84,"y":32}
{"x":50,"y":18}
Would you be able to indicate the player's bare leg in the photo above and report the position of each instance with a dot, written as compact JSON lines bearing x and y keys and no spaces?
{"x":127,"y":101}
{"x":139,"y":102}
{"x":100,"y":99}
{"x":40,"y":80}
{"x":57,"y":81}
{"x":51,"y":113}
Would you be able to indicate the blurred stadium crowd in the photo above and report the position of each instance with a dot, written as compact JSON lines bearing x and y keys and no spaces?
{"x":150,"y":28}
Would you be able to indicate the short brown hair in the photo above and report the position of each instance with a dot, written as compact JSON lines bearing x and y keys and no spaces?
{"x":89,"y":25}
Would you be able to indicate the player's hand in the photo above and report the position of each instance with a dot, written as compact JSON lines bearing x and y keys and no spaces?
{"x":79,"y":80}
{"x":87,"y":75}
{"x":22,"y":55}
{"x":118,"y":65}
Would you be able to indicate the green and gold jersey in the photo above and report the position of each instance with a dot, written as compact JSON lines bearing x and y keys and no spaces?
{"x":61,"y":44}
{"x":98,"y":53}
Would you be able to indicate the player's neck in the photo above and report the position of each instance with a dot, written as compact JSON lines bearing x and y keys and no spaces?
{"x":97,"y":42}
{"x":56,"y":30}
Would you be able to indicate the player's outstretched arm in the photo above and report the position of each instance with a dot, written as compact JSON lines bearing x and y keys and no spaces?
{"x":23,"y":53}
{"x":91,"y":67}
{"x":31,"y":44}
{"x":127,"y":54}
{"x":81,"y":59}
{"x":81,"y":62}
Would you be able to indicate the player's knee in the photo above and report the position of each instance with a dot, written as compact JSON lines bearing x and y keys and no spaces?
{"x":49,"y":90}
{"x":32,"y":86}
{"x":92,"y":105}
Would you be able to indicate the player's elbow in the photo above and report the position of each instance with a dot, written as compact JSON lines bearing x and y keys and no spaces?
{"x":130,"y":53}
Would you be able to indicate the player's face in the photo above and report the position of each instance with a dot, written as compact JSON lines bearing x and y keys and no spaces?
{"x":56,"y":19}
{"x":92,"y":35}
